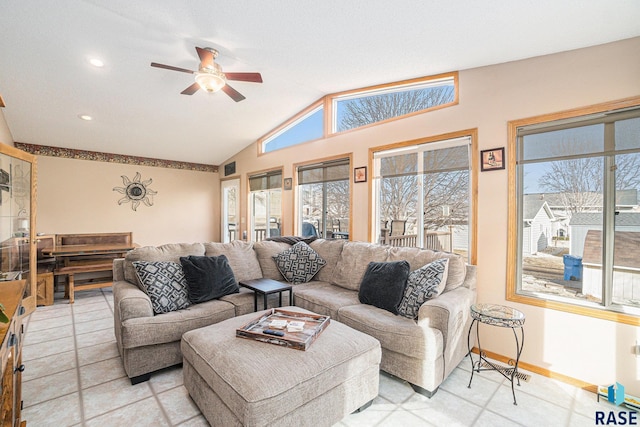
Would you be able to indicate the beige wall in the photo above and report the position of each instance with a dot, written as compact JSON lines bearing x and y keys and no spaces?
{"x":5,"y":133}
{"x":76,"y":196}
{"x":584,"y":348}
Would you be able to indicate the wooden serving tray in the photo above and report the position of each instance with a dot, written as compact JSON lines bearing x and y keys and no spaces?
{"x":314,"y":324}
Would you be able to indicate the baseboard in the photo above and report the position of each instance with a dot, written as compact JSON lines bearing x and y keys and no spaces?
{"x":542,"y":371}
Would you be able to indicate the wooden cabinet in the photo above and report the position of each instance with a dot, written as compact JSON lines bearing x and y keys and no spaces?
{"x":17,"y":221}
{"x":11,"y":295}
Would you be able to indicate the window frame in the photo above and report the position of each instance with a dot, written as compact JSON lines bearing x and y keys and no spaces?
{"x":327,"y":102}
{"x":263,"y":173}
{"x":513,"y":226}
{"x":473,"y":185}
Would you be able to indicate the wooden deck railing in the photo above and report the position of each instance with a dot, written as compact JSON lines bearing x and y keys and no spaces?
{"x":434,"y":240}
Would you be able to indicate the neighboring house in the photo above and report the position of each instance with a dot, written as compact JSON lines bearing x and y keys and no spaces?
{"x":538,"y":225}
{"x":582,"y":222}
{"x":626,"y":265}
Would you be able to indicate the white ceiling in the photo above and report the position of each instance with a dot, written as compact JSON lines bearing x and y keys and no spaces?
{"x":303,"y":49}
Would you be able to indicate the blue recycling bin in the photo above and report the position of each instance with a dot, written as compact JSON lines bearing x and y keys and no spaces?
{"x":572,"y":267}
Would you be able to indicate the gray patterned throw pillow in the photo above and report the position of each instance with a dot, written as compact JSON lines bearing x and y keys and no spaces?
{"x":165,"y":284}
{"x":423,"y":284}
{"x":299,"y":263}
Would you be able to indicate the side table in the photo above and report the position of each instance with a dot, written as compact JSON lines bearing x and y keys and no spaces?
{"x":266,"y":287}
{"x":504,"y":317}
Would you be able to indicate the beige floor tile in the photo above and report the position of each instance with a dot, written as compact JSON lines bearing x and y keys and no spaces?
{"x":481,"y":389}
{"x":59,"y":412}
{"x":48,"y":323}
{"x":443,"y":409}
{"x":530,"y":410}
{"x":94,"y":325}
{"x":489,"y":419}
{"x":178,"y":405}
{"x":115,"y":394}
{"x":393,"y":389}
{"x":38,"y":368}
{"x":94,"y":305}
{"x":45,"y":335}
{"x":101,"y":372}
{"x":97,"y":337}
{"x":50,"y":312}
{"x":166,"y":379}
{"x":49,"y":387}
{"x":89,"y":316}
{"x":145,"y":413}
{"x":373,"y":415}
{"x":198,"y":421}
{"x":98,"y":352}
{"x":48,"y":348}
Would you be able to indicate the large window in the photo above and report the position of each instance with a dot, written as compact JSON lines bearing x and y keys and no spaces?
{"x":324,"y":199}
{"x":423,"y":196}
{"x":372,"y":106}
{"x":577,"y":215}
{"x":343,"y":111}
{"x":265,"y":202}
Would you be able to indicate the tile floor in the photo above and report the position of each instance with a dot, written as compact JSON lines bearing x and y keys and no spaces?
{"x":74,"y":377}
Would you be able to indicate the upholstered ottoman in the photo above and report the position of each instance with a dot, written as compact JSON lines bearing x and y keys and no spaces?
{"x":237,"y":381}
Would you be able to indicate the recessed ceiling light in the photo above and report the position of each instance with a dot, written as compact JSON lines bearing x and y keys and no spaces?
{"x":96,"y":62}
{"x":85,"y":117}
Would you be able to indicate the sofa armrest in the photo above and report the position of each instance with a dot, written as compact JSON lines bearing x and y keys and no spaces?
{"x":118,"y":269}
{"x":130,"y":301}
{"x":449,"y":312}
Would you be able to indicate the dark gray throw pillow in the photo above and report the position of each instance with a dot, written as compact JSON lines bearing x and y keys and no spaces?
{"x":383,"y":284}
{"x":208,"y":277}
{"x":165,"y":284}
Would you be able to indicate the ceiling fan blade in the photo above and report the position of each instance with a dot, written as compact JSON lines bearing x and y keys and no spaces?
{"x":245,"y":77}
{"x":234,"y":94}
{"x":169,"y":67}
{"x":191,"y":89}
{"x":206,"y":57}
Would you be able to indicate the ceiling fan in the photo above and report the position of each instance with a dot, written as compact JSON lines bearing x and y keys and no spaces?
{"x":210,"y":77}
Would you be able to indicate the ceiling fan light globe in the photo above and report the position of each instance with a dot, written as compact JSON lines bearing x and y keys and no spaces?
{"x":210,"y":82}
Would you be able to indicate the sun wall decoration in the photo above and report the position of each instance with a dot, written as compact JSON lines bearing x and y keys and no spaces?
{"x":136,"y":191}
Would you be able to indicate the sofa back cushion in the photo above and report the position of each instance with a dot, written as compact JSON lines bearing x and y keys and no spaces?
{"x":265,"y":251}
{"x":417,"y":258}
{"x":330,"y":251}
{"x":169,"y":252}
{"x":242,"y":258}
{"x":354,"y":260}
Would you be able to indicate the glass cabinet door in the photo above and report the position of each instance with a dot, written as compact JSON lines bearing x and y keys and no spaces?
{"x":17,"y":253}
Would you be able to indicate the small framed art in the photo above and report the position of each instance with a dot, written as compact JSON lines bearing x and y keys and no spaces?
{"x":360,"y":174}
{"x":288,"y":183}
{"x":492,"y":159}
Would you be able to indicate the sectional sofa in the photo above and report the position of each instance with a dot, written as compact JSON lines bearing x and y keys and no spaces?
{"x":421,"y":351}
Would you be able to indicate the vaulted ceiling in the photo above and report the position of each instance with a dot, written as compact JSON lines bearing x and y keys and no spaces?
{"x":303,"y":49}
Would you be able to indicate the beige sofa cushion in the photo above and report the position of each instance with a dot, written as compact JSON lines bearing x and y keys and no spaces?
{"x":330,"y":251}
{"x":417,"y":258}
{"x":242,"y":258}
{"x":266,"y":250}
{"x":169,"y":252}
{"x":395,"y":333}
{"x":353,"y":262}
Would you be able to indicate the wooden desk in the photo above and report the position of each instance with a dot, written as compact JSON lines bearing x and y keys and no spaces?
{"x":85,"y":258}
{"x":68,"y":252}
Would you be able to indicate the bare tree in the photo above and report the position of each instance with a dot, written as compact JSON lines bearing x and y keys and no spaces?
{"x":371,"y":109}
{"x":579,"y":181}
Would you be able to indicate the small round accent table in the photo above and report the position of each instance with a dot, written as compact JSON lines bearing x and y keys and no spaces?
{"x":504,"y":317}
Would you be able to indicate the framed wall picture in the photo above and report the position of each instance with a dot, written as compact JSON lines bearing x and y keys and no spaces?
{"x":288,"y":183}
{"x":492,"y":159}
{"x":360,"y":174}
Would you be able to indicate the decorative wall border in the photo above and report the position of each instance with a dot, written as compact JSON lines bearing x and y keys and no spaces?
{"x":70,"y":153}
